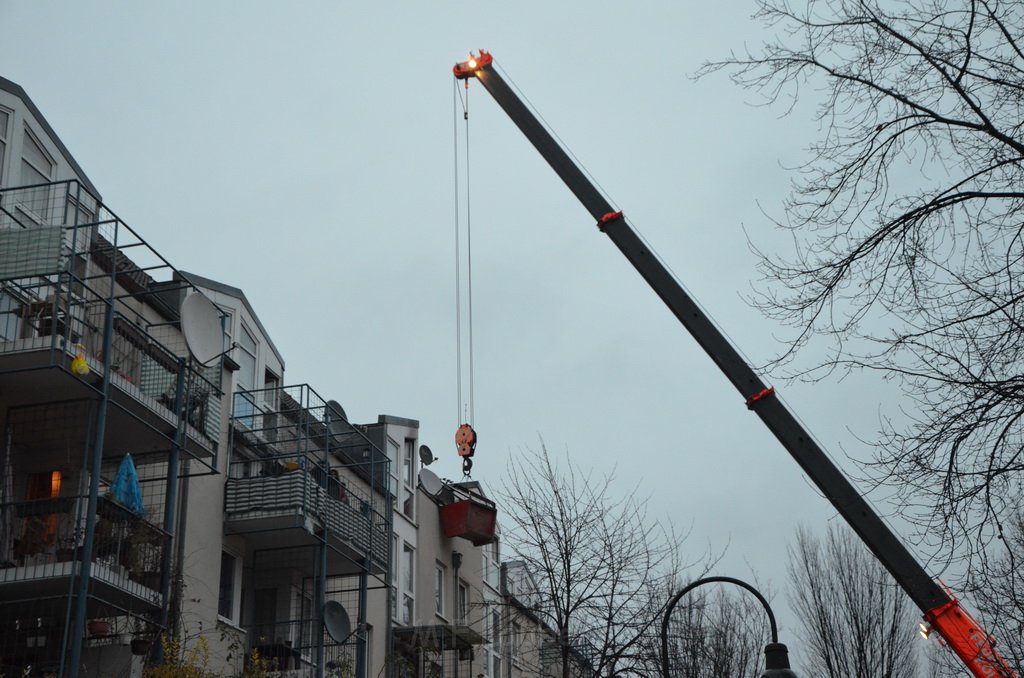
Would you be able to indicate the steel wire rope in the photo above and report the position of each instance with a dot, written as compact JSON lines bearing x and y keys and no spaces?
{"x":456,"y":99}
{"x":470,"y":414}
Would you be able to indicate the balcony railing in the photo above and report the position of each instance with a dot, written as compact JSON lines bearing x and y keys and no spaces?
{"x":268,"y":489}
{"x":289,"y":648}
{"x":65,"y":259}
{"x":41,"y":540}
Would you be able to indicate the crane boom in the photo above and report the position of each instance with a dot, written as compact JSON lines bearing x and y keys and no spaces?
{"x":941,"y":610}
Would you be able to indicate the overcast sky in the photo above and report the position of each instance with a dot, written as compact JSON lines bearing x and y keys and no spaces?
{"x":304,"y":153}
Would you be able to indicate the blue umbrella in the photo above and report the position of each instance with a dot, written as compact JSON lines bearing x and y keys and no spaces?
{"x":125,"y":490}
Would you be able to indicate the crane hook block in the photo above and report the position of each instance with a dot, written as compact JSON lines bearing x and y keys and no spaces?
{"x":468,"y":68}
{"x":465,"y":440}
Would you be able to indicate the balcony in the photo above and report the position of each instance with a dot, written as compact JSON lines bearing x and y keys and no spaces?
{"x":65,"y":259}
{"x":289,"y":647}
{"x":40,"y":554}
{"x":274,"y":499}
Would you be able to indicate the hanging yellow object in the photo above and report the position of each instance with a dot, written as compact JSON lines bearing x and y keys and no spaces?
{"x":79,"y":365}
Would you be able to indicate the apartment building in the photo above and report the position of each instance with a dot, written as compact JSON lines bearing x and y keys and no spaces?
{"x":147,"y":489}
{"x":100,"y":410}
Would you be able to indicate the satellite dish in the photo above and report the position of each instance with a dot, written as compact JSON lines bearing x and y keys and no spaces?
{"x":200,"y":323}
{"x":337,"y":420}
{"x":426,"y":456}
{"x":336,"y":621}
{"x":432,"y":485}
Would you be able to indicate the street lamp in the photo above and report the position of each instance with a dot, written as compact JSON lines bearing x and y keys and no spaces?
{"x":776,"y":655}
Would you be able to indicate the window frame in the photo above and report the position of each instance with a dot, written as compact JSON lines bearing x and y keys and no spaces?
{"x":5,"y":141}
{"x":408,"y":479}
{"x":440,"y":578}
{"x":462,"y":602}
{"x":235,"y":585}
{"x":407,"y":581}
{"x":29,"y":136}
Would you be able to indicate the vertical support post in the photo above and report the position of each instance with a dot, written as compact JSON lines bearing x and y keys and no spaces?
{"x":324,"y":532}
{"x":88,"y":542}
{"x":170,"y":505}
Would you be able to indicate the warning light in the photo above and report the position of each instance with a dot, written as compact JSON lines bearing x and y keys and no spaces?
{"x":471,"y":66}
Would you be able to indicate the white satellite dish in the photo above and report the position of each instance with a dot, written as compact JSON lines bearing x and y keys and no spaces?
{"x":200,"y":323}
{"x":432,"y":485}
{"x":337,"y":420}
{"x":426,"y":456}
{"x":336,"y":621}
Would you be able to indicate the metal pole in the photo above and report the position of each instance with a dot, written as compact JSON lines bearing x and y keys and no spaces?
{"x":78,"y":629}
{"x":170,"y":506}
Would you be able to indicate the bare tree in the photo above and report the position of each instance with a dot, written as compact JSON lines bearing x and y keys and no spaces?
{"x":907,"y":219}
{"x":717,"y":635}
{"x":857,"y":623}
{"x":996,"y":588}
{"x":602,"y":565}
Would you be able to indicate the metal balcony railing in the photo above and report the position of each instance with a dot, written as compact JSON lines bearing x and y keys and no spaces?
{"x":289,"y":648}
{"x":65,"y":260}
{"x":41,"y":543}
{"x":272,"y":489}
{"x":293,"y":457}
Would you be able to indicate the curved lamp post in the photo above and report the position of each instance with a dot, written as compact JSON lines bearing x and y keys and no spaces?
{"x":776,"y":655}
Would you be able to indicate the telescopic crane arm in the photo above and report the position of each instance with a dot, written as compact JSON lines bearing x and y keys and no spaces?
{"x":941,"y":610}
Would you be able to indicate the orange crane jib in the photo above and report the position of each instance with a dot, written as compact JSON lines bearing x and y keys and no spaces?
{"x":942,"y":611}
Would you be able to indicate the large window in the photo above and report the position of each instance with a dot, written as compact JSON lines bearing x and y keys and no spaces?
{"x":491,"y":565}
{"x":493,"y":661}
{"x":409,"y":479}
{"x":516,"y":642}
{"x":463,"y":603}
{"x":10,"y":317}
{"x":37,"y":167}
{"x":5,"y":118}
{"x":440,"y":577}
{"x":228,"y":581}
{"x":394,"y":576}
{"x":408,"y":576}
{"x":394,"y":452}
{"x":245,"y":378}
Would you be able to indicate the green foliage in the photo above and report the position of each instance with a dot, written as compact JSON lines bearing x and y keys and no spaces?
{"x":181,"y":661}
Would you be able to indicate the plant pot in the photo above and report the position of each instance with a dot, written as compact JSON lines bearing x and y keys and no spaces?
{"x":98,"y":627}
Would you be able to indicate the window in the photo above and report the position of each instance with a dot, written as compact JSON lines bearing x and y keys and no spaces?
{"x":245,"y":378}
{"x":5,"y":118}
{"x":440,"y":576}
{"x":10,"y":317}
{"x":516,"y":642}
{"x":492,"y":573}
{"x":463,"y":612}
{"x":408,"y":576}
{"x":494,"y":639}
{"x":226,"y":601}
{"x":409,"y":479}
{"x":393,"y":453}
{"x":394,"y":576}
{"x":36,"y":168}
{"x":271,"y":393}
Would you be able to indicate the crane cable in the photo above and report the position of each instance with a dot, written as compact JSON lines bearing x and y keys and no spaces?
{"x":465,"y":436}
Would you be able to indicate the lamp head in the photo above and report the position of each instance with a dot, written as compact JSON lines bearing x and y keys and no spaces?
{"x":776,"y":661}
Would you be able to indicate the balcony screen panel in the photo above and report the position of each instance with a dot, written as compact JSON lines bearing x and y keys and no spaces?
{"x":26,"y":252}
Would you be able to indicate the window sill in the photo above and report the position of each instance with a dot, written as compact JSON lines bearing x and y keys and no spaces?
{"x":230,"y":625}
